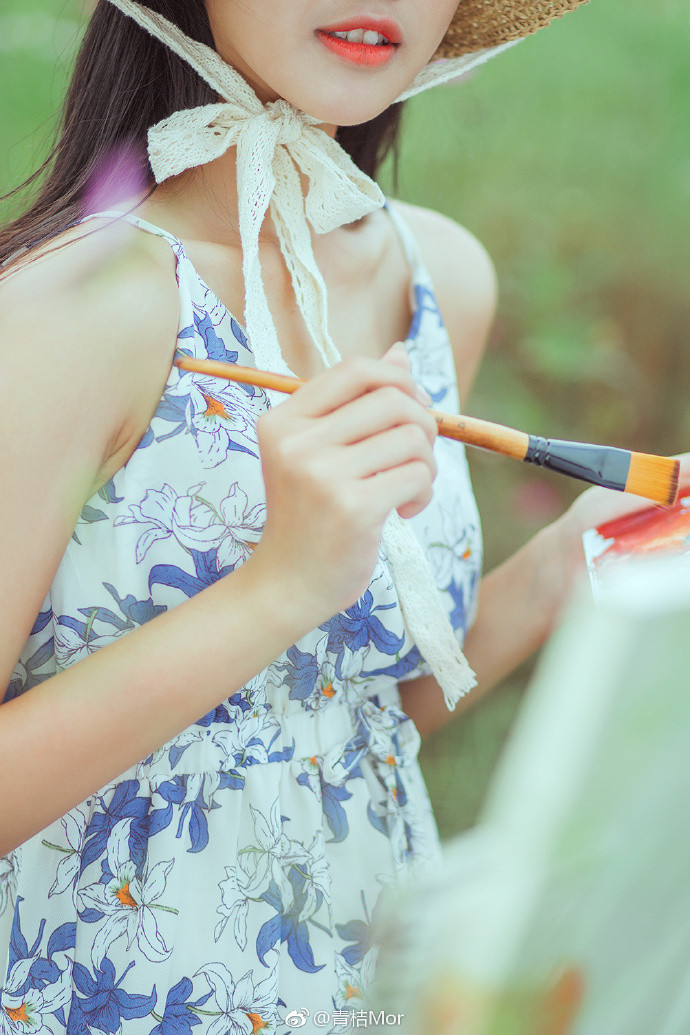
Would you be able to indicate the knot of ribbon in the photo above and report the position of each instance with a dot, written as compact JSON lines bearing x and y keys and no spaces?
{"x":290,"y":120}
{"x":288,"y":166}
{"x":277,"y":147}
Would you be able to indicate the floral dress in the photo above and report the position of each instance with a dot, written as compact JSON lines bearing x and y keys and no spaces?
{"x":228,"y":882}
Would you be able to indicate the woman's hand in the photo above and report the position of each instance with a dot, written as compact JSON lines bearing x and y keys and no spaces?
{"x":593,"y":507}
{"x":338,"y":455}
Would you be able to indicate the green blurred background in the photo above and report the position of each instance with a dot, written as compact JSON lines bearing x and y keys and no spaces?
{"x":569,"y":157}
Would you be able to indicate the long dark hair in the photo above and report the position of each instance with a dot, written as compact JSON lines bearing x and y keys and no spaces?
{"x":125,"y":81}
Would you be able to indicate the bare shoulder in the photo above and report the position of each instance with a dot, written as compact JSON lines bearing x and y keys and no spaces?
{"x":87,"y":275}
{"x":464,"y":280}
{"x":458,"y":262}
{"x":96,"y":313}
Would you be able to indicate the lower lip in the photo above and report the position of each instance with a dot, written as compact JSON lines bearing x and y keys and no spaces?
{"x":357,"y":53}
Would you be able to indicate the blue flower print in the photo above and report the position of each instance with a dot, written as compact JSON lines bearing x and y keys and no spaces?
{"x":136,"y":612}
{"x":291,"y":877}
{"x":244,"y":524}
{"x":179,"y":1017}
{"x":351,"y":681}
{"x":206,"y":572}
{"x":360,"y":625}
{"x":286,"y":926}
{"x":244,"y":882}
{"x":125,"y":803}
{"x":194,"y":794}
{"x":213,"y":326}
{"x":103,"y":1005}
{"x":426,"y":308}
{"x":214,"y":346}
{"x":450,"y":550}
{"x":452,"y":555}
{"x":77,"y":638}
{"x":246,"y":738}
{"x":164,"y":514}
{"x":35,"y":986}
{"x":310,"y":675}
{"x":27,"y":673}
{"x":315,"y":773}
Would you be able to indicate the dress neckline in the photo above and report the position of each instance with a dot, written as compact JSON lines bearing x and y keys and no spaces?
{"x":409,"y":249}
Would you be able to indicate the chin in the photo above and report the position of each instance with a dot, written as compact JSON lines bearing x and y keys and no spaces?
{"x":346,"y":106}
{"x":344,"y":116}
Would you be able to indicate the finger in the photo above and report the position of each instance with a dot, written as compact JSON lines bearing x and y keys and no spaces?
{"x":597,"y":505}
{"x":407,"y":487}
{"x":347,"y":381}
{"x":373,"y":413}
{"x":391,"y":448}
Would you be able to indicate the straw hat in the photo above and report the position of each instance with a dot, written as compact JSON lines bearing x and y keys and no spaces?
{"x":480,"y":24}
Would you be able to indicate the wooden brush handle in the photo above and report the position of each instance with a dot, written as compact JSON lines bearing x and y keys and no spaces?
{"x":471,"y":430}
{"x":247,"y":375}
{"x":483,"y":434}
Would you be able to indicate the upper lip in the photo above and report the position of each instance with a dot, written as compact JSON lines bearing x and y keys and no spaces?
{"x":385,"y":26}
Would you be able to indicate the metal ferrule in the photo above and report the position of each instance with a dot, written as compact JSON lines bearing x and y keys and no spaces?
{"x":600,"y":465}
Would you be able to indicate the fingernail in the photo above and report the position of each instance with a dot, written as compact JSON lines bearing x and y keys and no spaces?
{"x":424,"y":396}
{"x":399,"y":346}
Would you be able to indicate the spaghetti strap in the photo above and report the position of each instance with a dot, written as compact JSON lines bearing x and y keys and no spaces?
{"x":114,"y":215}
{"x":143,"y":224}
{"x":407,"y":238}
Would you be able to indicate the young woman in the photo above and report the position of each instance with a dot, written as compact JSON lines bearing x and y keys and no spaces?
{"x":208,"y":742}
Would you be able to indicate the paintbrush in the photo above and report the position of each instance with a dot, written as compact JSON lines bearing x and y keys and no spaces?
{"x":654,"y":477}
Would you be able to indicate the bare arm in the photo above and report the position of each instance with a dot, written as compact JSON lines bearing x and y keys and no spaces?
{"x":94,"y":720}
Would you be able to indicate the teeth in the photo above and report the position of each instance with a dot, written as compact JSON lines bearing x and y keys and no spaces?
{"x":362,"y":36}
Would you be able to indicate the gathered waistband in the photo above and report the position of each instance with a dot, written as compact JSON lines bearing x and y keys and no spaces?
{"x":334,"y":737}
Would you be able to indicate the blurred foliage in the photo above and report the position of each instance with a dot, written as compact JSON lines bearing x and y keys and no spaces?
{"x":38,"y":43}
{"x":569,"y":158}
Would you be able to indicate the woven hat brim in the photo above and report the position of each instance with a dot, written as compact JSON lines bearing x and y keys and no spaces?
{"x":479,"y":24}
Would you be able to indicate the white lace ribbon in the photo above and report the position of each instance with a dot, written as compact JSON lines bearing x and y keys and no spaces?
{"x":275,"y":142}
{"x":436,"y":73}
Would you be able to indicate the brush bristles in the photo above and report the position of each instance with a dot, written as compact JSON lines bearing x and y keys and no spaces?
{"x":655,"y":477}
